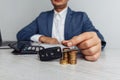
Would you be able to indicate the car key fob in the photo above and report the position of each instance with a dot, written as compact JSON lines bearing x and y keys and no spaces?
{"x":50,"y":53}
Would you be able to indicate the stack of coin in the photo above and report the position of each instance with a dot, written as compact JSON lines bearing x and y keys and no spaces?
{"x":64,"y":59}
{"x":73,"y":57}
{"x":69,"y":57}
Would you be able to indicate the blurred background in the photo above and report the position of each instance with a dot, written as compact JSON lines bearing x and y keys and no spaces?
{"x":105,"y":15}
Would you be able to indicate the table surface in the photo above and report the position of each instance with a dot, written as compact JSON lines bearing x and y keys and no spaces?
{"x":29,"y":67}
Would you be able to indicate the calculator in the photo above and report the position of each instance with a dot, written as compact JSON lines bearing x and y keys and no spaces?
{"x":24,"y":47}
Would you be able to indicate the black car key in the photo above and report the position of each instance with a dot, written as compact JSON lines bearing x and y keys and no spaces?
{"x":50,"y":53}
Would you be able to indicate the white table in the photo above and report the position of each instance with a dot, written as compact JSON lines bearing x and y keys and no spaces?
{"x":29,"y":67}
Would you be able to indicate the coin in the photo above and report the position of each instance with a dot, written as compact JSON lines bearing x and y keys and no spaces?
{"x":72,"y":57}
{"x":73,"y":62}
{"x":65,"y":54}
{"x":63,"y":61}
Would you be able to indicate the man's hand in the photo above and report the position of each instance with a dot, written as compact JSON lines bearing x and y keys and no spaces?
{"x":48,"y":40}
{"x":89,"y":44}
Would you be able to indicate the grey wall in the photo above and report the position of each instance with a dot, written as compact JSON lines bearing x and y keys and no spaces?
{"x":15,"y":14}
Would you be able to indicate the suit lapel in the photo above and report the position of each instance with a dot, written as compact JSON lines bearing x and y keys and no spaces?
{"x":50,"y":22}
{"x":67,"y":31}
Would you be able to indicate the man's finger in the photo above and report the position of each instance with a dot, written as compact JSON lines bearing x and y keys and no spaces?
{"x":93,"y":58}
{"x":78,"y":39}
{"x":67,"y":43}
{"x":92,"y":51}
{"x":89,"y":43}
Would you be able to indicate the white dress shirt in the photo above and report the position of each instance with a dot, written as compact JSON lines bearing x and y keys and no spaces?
{"x":57,"y":28}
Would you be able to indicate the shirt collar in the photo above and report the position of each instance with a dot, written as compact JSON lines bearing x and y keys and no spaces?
{"x":62,"y":13}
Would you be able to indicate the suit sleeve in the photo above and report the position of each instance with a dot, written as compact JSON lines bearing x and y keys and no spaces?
{"x":28,"y":31}
{"x":88,"y":26}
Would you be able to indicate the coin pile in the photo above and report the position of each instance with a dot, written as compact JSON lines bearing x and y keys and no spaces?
{"x":69,"y":57}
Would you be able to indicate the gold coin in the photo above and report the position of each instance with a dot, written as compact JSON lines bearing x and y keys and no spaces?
{"x":73,"y":62}
{"x":72,"y":57}
{"x":65,"y":54}
{"x":63,"y":61}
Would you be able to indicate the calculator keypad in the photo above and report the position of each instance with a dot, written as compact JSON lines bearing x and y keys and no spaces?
{"x":31,"y":49}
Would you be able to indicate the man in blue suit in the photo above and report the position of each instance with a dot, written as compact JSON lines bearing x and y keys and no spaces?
{"x":62,"y":25}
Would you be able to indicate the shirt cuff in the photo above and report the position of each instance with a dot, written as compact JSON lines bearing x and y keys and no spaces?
{"x":36,"y":37}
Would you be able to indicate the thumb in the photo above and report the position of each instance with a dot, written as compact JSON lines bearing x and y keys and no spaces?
{"x":71,"y":42}
{"x":77,"y":39}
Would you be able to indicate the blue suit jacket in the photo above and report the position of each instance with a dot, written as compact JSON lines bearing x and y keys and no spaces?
{"x":75,"y":24}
